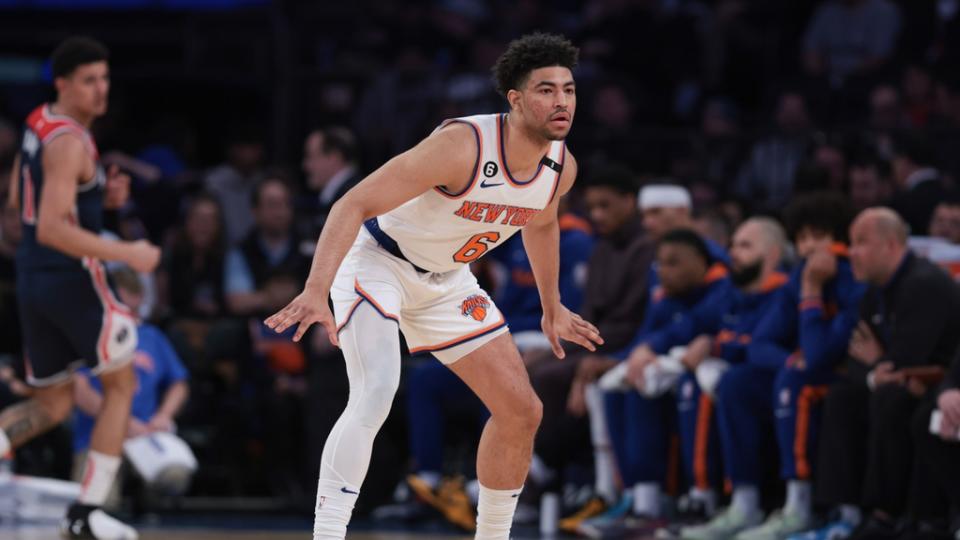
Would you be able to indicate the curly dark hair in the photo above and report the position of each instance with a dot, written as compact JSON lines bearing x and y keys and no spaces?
{"x":530,"y":52}
{"x":821,"y":211}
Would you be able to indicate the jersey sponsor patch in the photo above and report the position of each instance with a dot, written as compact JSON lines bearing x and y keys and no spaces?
{"x":475,"y":307}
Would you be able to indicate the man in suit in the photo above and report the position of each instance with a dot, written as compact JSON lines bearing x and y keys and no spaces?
{"x":330,"y":163}
{"x":918,"y":182}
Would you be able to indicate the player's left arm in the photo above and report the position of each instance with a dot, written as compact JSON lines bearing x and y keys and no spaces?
{"x":541,"y":240}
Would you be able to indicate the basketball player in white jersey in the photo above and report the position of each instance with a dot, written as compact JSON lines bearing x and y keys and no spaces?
{"x":422,"y":218}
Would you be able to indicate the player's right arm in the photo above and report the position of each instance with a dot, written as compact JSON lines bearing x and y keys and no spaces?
{"x":449,"y":153}
{"x":64,"y":164}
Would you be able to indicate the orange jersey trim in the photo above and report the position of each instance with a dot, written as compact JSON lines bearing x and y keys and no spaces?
{"x":365,"y":296}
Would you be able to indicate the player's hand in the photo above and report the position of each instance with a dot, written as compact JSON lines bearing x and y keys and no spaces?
{"x":307,"y":308}
{"x":639,"y":359}
{"x":117,"y":190}
{"x":949,"y":404}
{"x":820,"y":267}
{"x":160,"y":422}
{"x":864,"y":346}
{"x":136,"y":428}
{"x":884,"y":374}
{"x":569,"y":326}
{"x":142,"y":256}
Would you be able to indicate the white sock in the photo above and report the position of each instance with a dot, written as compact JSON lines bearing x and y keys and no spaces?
{"x":5,"y":445}
{"x":495,"y":513}
{"x":850,"y":514}
{"x":605,"y":469}
{"x":646,"y":499}
{"x":746,"y":500}
{"x":335,"y":502}
{"x":707,"y":496}
{"x":98,"y":478}
{"x":798,"y":497}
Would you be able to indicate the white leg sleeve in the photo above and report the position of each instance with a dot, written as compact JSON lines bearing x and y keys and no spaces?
{"x":371,"y":347}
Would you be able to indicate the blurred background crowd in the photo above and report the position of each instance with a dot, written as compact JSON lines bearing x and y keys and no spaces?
{"x":241,"y":123}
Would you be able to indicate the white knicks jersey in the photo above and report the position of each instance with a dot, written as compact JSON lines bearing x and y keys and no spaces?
{"x":441,"y":231}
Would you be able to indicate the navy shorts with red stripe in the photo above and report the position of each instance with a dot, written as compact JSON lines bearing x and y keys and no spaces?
{"x":71,"y":319}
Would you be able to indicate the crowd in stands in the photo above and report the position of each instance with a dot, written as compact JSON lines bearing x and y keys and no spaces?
{"x":766,"y":231}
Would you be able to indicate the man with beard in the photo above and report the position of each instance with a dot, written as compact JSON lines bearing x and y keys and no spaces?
{"x":757,"y":256}
{"x":790,"y":359}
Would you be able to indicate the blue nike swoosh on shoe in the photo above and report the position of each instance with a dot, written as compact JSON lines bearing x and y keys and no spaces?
{"x":484,"y":184}
{"x":345,"y":490}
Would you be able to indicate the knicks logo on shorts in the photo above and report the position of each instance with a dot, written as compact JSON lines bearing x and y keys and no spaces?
{"x":476,"y":307}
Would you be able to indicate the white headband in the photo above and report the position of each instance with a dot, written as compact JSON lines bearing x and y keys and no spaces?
{"x":664,"y":196}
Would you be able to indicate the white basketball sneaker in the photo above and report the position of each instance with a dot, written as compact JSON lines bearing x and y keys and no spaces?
{"x":90,"y":522}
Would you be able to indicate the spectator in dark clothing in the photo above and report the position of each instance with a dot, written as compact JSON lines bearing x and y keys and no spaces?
{"x":194,"y":268}
{"x":232,"y":182}
{"x":330,"y":165}
{"x":264,"y":272}
{"x":767,"y":177}
{"x":936,"y":471}
{"x":906,"y":321}
{"x":868,"y":183}
{"x":945,"y":222}
{"x":921,"y":188}
{"x":849,"y":37}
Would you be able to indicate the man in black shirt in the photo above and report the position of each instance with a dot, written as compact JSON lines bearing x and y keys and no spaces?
{"x":907,"y":320}
{"x":935,"y":492}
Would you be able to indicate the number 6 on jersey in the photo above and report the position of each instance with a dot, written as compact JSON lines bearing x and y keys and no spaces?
{"x":476,"y":246}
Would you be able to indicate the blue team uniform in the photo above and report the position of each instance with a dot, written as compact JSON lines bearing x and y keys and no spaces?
{"x":701,"y":435}
{"x":69,"y":314}
{"x":639,"y":427}
{"x":789,"y":360}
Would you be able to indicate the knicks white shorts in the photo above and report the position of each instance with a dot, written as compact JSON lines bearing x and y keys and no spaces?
{"x":447,"y":315}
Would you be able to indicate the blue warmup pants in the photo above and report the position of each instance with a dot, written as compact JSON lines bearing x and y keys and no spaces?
{"x":750,"y":398}
{"x":433,"y":391}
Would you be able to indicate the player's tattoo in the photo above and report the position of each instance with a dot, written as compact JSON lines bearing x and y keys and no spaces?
{"x":25,"y":421}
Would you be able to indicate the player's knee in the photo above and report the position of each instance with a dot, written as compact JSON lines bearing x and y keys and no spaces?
{"x":526,"y":413}
{"x":376,"y":403}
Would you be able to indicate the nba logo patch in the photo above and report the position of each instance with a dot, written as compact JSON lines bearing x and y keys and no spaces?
{"x":785,"y":396}
{"x":687,"y":390}
{"x":475,"y":307}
